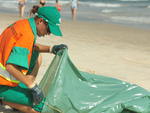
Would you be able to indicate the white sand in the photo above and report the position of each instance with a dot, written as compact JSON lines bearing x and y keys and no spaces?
{"x":110,"y":50}
{"x":104,"y":49}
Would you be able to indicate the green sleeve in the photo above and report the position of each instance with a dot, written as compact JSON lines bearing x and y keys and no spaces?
{"x":19,"y":57}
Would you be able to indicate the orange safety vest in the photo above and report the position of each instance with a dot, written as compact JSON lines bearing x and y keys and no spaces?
{"x":17,"y":35}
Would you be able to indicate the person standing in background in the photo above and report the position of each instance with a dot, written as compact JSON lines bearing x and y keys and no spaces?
{"x":74,"y":5}
{"x":36,"y":7}
{"x":33,"y":10}
{"x":42,"y":3}
{"x":21,"y":6}
{"x":58,"y":5}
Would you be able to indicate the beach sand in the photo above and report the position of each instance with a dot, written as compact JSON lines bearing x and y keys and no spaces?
{"x":104,"y":49}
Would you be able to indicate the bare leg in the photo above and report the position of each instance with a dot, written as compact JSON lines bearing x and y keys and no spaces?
{"x":37,"y":66}
{"x":74,"y":13}
{"x":22,"y":108}
{"x":33,"y":74}
{"x":21,"y":10}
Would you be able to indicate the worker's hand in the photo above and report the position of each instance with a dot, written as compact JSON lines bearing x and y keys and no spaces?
{"x":37,"y":94}
{"x":56,"y":48}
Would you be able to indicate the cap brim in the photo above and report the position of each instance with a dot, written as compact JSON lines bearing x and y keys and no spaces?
{"x":54,"y":29}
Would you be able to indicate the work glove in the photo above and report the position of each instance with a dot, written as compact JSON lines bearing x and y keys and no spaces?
{"x":56,"y":48}
{"x":37,"y":94}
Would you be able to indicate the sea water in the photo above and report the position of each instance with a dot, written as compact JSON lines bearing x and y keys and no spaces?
{"x":135,"y":13}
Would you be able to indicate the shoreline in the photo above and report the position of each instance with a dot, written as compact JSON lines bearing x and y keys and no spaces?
{"x":16,"y":15}
{"x":66,"y":15}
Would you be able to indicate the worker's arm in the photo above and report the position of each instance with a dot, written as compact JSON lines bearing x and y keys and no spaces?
{"x":54,"y":49}
{"x":35,"y":90}
{"x":42,"y":48}
{"x":14,"y":70}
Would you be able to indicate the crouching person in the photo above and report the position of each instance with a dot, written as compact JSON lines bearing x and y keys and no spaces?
{"x":20,"y":59}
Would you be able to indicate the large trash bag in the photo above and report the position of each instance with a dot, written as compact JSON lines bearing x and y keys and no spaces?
{"x":69,"y":90}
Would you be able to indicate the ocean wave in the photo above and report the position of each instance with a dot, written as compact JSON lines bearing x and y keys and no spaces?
{"x":10,"y":5}
{"x":33,"y":1}
{"x":106,"y":11}
{"x":61,"y":2}
{"x":145,"y":20}
{"x":92,"y":4}
{"x":134,"y":0}
{"x":8,"y":1}
{"x":148,"y":6}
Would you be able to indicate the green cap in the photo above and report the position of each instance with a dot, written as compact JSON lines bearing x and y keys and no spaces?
{"x":52,"y":17}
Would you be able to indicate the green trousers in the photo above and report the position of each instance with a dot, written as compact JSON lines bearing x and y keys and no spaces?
{"x":21,"y":94}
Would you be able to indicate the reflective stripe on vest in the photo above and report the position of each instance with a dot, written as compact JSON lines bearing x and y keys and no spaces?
{"x":5,"y":74}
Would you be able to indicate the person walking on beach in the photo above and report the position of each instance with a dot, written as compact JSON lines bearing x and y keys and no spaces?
{"x":21,"y":6}
{"x":20,"y":59}
{"x":74,"y":5}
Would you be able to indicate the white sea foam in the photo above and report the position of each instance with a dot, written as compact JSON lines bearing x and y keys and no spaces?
{"x":64,"y":2}
{"x":106,"y":11}
{"x":145,"y":20}
{"x":61,"y":2}
{"x":134,"y":0}
{"x":9,"y":2}
{"x":33,"y":1}
{"x":105,"y":5}
{"x":148,"y":6}
{"x":92,"y":4}
{"x":10,"y":5}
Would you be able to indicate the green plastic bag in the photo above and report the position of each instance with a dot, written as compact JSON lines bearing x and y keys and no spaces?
{"x":69,"y":90}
